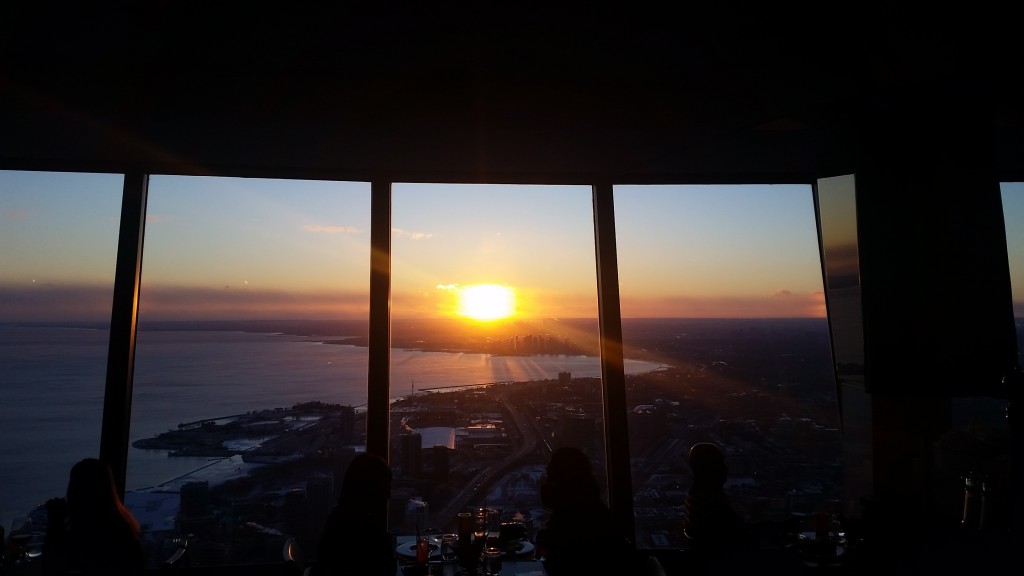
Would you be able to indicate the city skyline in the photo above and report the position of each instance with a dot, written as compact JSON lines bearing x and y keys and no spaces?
{"x":236,"y":248}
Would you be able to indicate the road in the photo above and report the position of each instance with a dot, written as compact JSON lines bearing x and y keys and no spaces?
{"x":482,"y":482}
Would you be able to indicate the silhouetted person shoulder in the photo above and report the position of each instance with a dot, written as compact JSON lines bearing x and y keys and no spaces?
{"x":581,"y":535}
{"x":355,"y":536}
{"x":91,"y":532}
{"x":710,"y":522}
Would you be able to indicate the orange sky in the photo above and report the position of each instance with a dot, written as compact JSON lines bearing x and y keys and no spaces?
{"x":234,"y":248}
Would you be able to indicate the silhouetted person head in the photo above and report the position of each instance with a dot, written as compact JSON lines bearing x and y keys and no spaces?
{"x":93,"y":497}
{"x":367,"y":481}
{"x":358,"y":522}
{"x":579,"y":522}
{"x":570,"y":479}
{"x":708,"y":465}
{"x":90,"y":532}
{"x":709,"y":521}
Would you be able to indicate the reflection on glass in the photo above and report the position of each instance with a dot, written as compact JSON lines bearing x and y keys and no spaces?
{"x":1013,"y":216}
{"x":250,"y":384}
{"x":721,"y":286}
{"x":837,"y":211}
{"x":58,"y":243}
{"x":494,"y":348}
{"x":837,"y":227}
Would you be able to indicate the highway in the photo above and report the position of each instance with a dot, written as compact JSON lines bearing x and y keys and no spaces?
{"x":482,"y":482}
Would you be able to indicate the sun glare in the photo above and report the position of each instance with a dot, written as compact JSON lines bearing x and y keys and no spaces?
{"x":485,"y":302}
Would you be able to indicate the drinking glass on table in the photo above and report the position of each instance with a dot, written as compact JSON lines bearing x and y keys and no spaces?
{"x":480,"y":524}
{"x":449,"y":547}
{"x":465,"y":529}
{"x":492,"y":561}
{"x":21,"y":533}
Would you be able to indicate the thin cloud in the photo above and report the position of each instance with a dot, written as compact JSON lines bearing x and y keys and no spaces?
{"x":46,"y":301}
{"x":91,"y":302}
{"x":178,"y":302}
{"x":321,"y":229}
{"x":782,"y":304}
{"x":157,"y":218}
{"x":15,"y":214}
{"x":411,"y":235}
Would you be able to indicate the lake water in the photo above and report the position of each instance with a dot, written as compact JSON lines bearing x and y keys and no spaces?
{"x":52,"y":381}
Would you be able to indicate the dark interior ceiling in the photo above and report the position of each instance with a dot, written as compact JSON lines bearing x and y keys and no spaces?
{"x":708,"y":92}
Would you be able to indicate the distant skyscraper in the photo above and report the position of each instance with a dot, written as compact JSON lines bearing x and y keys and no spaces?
{"x":295,"y":516}
{"x":419,"y":512}
{"x":195,"y":499}
{"x":320,"y":500}
{"x":194,"y":514}
{"x":579,"y":431}
{"x":347,"y":427}
{"x":439,"y":457}
{"x":412,"y":454}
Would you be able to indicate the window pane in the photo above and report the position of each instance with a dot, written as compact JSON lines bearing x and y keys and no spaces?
{"x":722,"y":286}
{"x":1013,"y":215}
{"x":494,"y":359}
{"x":837,"y":206}
{"x":58,"y":233}
{"x":249,"y":389}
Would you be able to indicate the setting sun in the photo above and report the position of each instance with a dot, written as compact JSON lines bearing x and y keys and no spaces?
{"x":486,"y":302}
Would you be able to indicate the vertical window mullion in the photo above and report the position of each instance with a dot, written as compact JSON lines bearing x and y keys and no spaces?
{"x":379,"y":380}
{"x":117,"y":401}
{"x":613,"y":379}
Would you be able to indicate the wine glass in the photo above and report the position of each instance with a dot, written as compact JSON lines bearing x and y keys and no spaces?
{"x":21,"y":533}
{"x":449,"y":547}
